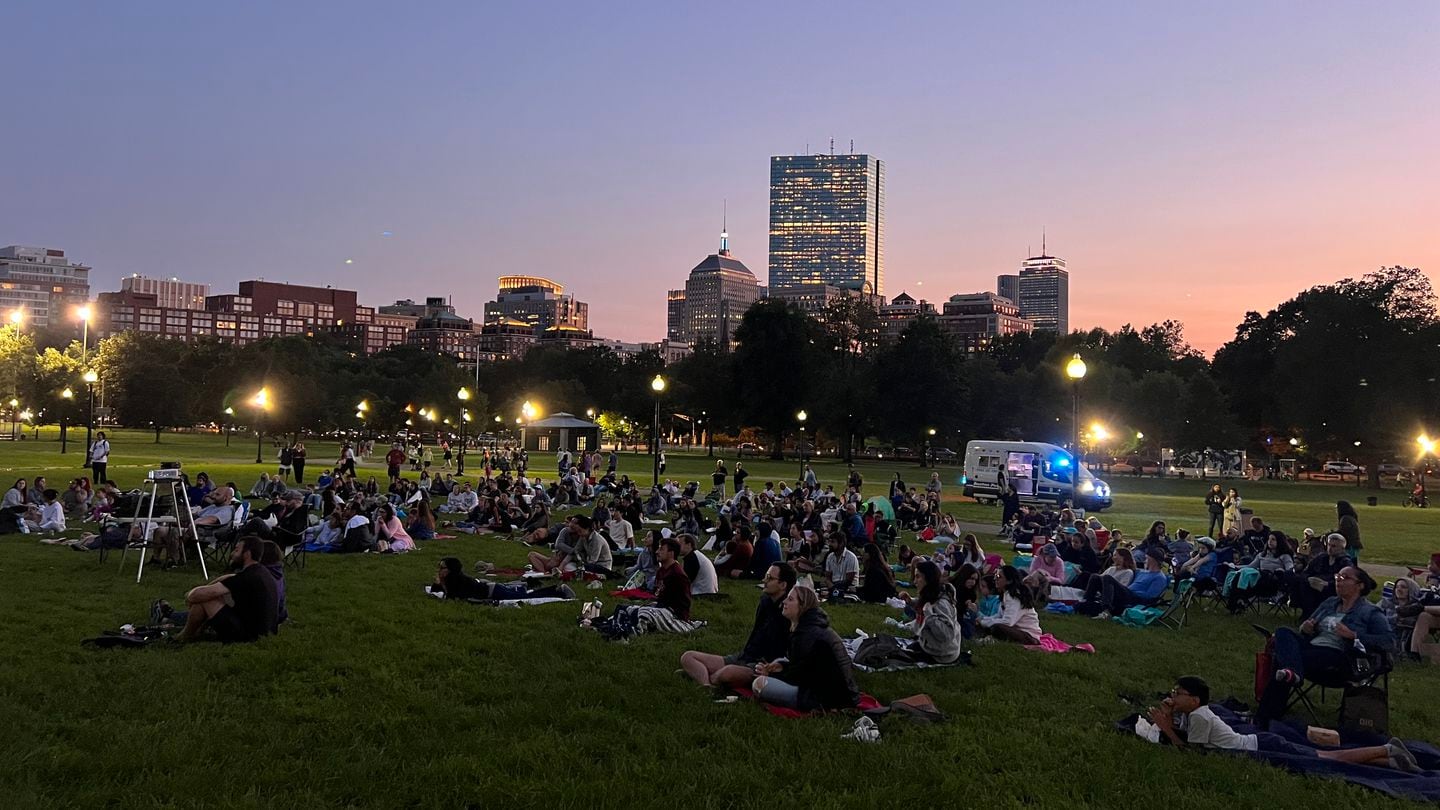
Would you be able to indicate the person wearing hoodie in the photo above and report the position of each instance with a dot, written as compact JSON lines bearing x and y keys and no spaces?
{"x":769,"y":637}
{"x":817,"y":672}
{"x":1046,"y":569}
{"x":273,"y":558}
{"x":936,"y":625}
{"x":766,"y":552}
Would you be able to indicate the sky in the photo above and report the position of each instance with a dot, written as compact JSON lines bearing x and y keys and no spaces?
{"x":1190,"y":161}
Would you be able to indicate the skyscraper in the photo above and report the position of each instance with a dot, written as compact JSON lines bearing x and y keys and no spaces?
{"x":1043,"y":290}
{"x":717,"y":293}
{"x":539,"y":302}
{"x":827,"y":221}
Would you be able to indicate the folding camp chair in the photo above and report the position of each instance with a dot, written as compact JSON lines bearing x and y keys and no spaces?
{"x":220,"y":540}
{"x":1378,"y":670}
{"x":1177,"y":608}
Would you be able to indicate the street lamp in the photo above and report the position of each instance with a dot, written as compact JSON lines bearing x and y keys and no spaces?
{"x":83,"y":313}
{"x":801,"y":417}
{"x":229,"y":423}
{"x":1075,"y":370}
{"x":17,"y":319}
{"x":464,"y":396}
{"x":261,"y":401}
{"x":658,"y":386}
{"x":925,"y":453}
{"x":68,"y":395}
{"x":90,"y":377}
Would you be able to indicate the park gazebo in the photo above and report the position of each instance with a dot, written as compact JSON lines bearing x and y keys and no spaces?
{"x":560,"y":430}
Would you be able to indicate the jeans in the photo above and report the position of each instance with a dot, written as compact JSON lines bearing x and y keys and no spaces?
{"x":1116,"y":597}
{"x":779,"y":692}
{"x":1311,"y":662}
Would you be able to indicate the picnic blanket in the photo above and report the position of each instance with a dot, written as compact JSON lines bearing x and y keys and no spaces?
{"x":542,"y":600}
{"x":898,"y":662}
{"x":629,"y":621}
{"x":632,"y":593}
{"x":1051,"y":644}
{"x":867,"y":703}
{"x":1423,"y":786}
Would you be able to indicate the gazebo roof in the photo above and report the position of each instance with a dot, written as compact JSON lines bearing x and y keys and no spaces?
{"x":562,"y":420}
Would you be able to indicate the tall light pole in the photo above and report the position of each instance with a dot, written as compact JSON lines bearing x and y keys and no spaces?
{"x":709,"y":435}
{"x":67,"y":395}
{"x":90,"y":378}
{"x":17,"y":319}
{"x":261,"y":401}
{"x":229,"y":423}
{"x":464,"y":396}
{"x":83,"y":313}
{"x":658,"y":386}
{"x":1075,"y":370}
{"x":801,"y":417}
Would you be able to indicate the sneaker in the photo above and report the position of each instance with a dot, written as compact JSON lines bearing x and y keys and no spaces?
{"x":567,"y":592}
{"x":1400,"y":757}
{"x":1104,"y":614}
{"x":865,"y":730}
{"x":1287,"y":676}
{"x":984,"y":640}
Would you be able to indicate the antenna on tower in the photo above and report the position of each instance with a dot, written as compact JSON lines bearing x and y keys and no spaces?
{"x":724,"y":227}
{"x":832,"y":147}
{"x":852,"y":146}
{"x":1042,"y":241}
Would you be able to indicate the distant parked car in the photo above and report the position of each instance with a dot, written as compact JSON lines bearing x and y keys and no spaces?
{"x":943,"y":454}
{"x":750,"y":447}
{"x":1341,"y":468}
{"x":1390,"y":468}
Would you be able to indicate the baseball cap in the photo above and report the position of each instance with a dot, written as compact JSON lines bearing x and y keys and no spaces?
{"x":1206,"y":541}
{"x":1049,"y":550}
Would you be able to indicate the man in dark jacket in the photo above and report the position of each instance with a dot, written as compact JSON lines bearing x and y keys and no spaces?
{"x":769,"y":637}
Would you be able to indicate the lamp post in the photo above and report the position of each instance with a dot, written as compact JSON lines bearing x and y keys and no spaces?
{"x":67,"y":395}
{"x":709,"y":435}
{"x":90,"y":377}
{"x":1075,"y":370}
{"x":83,"y":313}
{"x":658,"y":386}
{"x":17,"y":319}
{"x":1427,"y":449}
{"x":801,"y":417}
{"x":925,"y":457}
{"x":229,"y":423}
{"x":464,"y":396}
{"x":261,"y":401}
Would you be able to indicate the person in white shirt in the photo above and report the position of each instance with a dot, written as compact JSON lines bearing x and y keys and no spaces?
{"x":1186,"y":720}
{"x":619,"y":530}
{"x":842,"y":568}
{"x":99,"y":458}
{"x":52,"y":515}
{"x":698,"y":567}
{"x":461,"y":500}
{"x":1017,"y":620}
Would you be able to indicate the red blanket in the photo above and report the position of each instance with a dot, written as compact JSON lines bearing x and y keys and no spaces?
{"x":1051,"y":644}
{"x":633,"y":593}
{"x":867,"y":702}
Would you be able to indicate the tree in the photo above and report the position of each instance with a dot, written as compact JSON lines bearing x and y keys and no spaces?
{"x":851,"y":326}
{"x":920,"y":384}
{"x":775,"y":362}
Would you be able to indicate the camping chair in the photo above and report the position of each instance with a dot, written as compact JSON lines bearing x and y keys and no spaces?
{"x":292,"y":544}
{"x":1177,"y":607}
{"x":219,"y":541}
{"x":1367,"y":670}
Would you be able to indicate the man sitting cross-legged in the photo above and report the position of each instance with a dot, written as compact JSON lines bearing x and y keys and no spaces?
{"x":236,"y":607}
{"x":769,"y":637}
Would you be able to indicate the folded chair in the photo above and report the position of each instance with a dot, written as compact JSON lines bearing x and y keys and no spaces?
{"x":1366,"y":670}
{"x":1177,"y":607}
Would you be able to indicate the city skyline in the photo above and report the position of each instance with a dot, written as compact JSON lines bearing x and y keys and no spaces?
{"x":1188,"y":163}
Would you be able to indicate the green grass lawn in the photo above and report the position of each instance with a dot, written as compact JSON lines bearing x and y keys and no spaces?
{"x":376,"y":695}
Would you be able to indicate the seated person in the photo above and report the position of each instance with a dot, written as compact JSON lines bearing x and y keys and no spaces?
{"x":592,"y":552}
{"x":1318,"y":581}
{"x":216,"y":507}
{"x":879,"y":581}
{"x":235,"y":607}
{"x":645,"y":564}
{"x":672,"y":587}
{"x":769,"y":637}
{"x":262,"y":486}
{"x":358,"y":535}
{"x":1046,"y":569}
{"x":1252,"y":541}
{"x":1402,"y":610}
{"x":328,"y":531}
{"x":454,"y":583}
{"x":736,"y":559}
{"x":390,"y":534}
{"x":1201,"y":565}
{"x":1180,"y":548}
{"x":421,"y":525}
{"x":1272,"y":566}
{"x":766,"y":552}
{"x":562,"y":557}
{"x":936,"y":624}
{"x":52,"y":515}
{"x":619,"y":530}
{"x":1323,"y":648}
{"x":1186,"y":720}
{"x":810,"y":558}
{"x":1114,"y":597}
{"x":703,"y":579}
{"x":461,"y":499}
{"x":1077,"y":552}
{"x":842,"y":570}
{"x":1122,"y":570}
{"x":816,"y":672}
{"x":1017,"y":620}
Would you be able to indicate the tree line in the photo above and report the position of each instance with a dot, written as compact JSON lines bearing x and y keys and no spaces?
{"x":1346,"y":369}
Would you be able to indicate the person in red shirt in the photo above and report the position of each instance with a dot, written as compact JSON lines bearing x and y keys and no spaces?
{"x":672,"y":587}
{"x":393,"y":460}
{"x":736,"y":559}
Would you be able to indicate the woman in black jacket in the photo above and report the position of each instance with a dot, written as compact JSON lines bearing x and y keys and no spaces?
{"x":817,"y":674}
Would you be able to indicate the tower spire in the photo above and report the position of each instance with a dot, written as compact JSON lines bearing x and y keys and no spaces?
{"x":1042,"y":242}
{"x":725,"y":227}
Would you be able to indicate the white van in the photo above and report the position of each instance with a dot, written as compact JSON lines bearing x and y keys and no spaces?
{"x":1039,"y":471}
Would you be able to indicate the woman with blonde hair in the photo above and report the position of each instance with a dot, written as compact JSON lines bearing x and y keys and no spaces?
{"x":816,"y":673}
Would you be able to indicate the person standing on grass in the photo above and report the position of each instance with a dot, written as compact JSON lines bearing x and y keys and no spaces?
{"x":393,"y":460}
{"x":1215,"y":505}
{"x":769,"y":637}
{"x":236,"y":607}
{"x":99,"y":457}
{"x":297,"y":461}
{"x":717,"y":479}
{"x":740,"y":475}
{"x":1233,"y":504}
{"x":1349,"y":527}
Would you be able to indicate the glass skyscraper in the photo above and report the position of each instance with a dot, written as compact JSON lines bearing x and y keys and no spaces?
{"x":827,"y":221}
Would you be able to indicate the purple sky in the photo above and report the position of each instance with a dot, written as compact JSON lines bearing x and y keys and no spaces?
{"x":1189,"y":161}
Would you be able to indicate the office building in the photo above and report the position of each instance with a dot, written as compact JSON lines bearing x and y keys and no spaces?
{"x":900,"y":313}
{"x":974,"y":320}
{"x":827,"y":221}
{"x":446,"y":333}
{"x":540,"y":302}
{"x":171,"y":293}
{"x":373,"y":331}
{"x":316,"y":305}
{"x":814,"y":299}
{"x":41,"y":284}
{"x":1042,"y":290}
{"x":504,"y":340}
{"x":718,"y":291}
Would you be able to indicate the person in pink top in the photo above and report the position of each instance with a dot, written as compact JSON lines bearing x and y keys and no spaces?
{"x":390,"y":536}
{"x":1046,"y":569}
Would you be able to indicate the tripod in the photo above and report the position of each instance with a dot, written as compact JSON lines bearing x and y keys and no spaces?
{"x":180,"y":518}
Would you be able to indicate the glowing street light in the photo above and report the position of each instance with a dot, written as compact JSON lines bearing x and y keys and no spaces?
{"x":658,"y":386}
{"x":261,"y":403}
{"x":1075,"y":370}
{"x":801,"y":417}
{"x":17,"y":318}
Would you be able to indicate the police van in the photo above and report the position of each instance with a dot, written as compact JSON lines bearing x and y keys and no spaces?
{"x":1040,"y":472}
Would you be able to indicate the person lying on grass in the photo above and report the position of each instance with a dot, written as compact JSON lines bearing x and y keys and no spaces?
{"x":769,"y":637}
{"x":1017,"y":620}
{"x":816,"y":672}
{"x":451,"y":580}
{"x":235,"y":607}
{"x":1185,"y":719}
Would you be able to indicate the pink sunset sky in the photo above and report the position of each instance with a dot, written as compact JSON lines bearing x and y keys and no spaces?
{"x":1190,"y":162}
